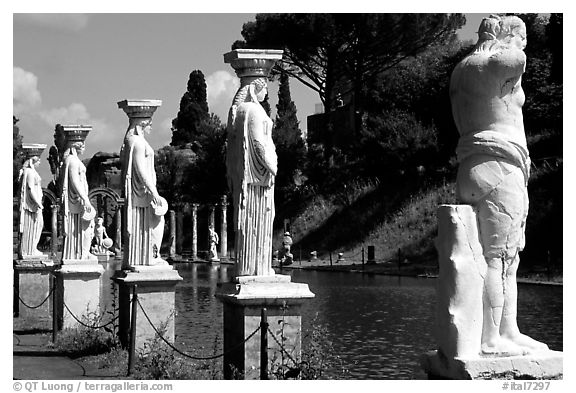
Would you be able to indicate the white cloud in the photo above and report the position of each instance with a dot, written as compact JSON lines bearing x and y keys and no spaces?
{"x":64,"y":22}
{"x":103,"y":137}
{"x":26,"y":95}
{"x":220,"y":88}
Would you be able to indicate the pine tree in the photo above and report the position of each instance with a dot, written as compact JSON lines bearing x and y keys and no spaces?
{"x":193,"y":111}
{"x":289,"y":142}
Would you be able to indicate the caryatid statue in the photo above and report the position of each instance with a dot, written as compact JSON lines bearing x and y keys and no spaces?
{"x":78,"y":211}
{"x":487,"y":99}
{"x":145,"y":208}
{"x":251,"y":162}
{"x":31,"y":220}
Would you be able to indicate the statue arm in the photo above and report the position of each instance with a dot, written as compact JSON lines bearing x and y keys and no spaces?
{"x":139,"y":166}
{"x":508,"y":63}
{"x":31,"y":188}
{"x":264,"y":147}
{"x":75,"y":179}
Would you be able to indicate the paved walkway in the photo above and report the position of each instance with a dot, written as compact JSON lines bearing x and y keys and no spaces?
{"x":34,"y":359}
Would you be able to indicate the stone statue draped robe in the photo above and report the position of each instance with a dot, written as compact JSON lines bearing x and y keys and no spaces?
{"x":252,"y":165}
{"x":31,"y":220}
{"x":78,"y":232}
{"x":144,"y":228}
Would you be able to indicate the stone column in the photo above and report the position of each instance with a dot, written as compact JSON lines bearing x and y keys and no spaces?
{"x":194,"y":231}
{"x":118,"y":235}
{"x":54,"y":230}
{"x":172,"y":234}
{"x":246,"y":295}
{"x":180,"y":228}
{"x":224,"y":229}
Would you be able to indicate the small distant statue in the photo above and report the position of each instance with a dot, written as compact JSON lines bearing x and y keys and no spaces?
{"x":78,"y":211}
{"x":214,"y":240}
{"x":287,"y":257}
{"x":487,"y":99}
{"x":31,"y":220}
{"x":339,"y":101}
{"x":101,"y":242}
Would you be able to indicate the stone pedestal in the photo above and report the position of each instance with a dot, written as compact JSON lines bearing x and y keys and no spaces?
{"x":243,"y":302}
{"x":108,"y":288}
{"x":155,"y":286}
{"x":542,"y":365}
{"x":459,"y":310}
{"x":33,"y":285}
{"x":78,"y":292}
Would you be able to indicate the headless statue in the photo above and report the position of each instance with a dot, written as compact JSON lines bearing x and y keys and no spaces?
{"x":487,"y":99}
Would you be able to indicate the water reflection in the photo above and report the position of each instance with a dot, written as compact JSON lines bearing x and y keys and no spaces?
{"x":379,"y":325}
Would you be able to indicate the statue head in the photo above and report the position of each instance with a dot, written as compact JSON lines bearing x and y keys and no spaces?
{"x":513,"y":32}
{"x":260,"y":88}
{"x":77,"y":146}
{"x":140,"y":126}
{"x":489,"y":28}
{"x":99,"y":221}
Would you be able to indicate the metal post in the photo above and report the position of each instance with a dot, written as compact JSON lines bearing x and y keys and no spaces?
{"x":264,"y":345}
{"x":362,"y":258}
{"x":16,"y":301}
{"x":330,"y":258}
{"x":54,"y":310}
{"x":132,"y":350}
{"x":399,"y":260}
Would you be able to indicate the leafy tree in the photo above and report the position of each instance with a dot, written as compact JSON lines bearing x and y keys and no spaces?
{"x":554,"y":41}
{"x":172,"y":166}
{"x":17,"y":156}
{"x":333,"y":53}
{"x":55,"y":155}
{"x":541,"y":82}
{"x":193,"y":111}
{"x":288,"y":140}
{"x":195,"y":172}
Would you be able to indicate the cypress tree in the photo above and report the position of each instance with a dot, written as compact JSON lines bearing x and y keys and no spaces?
{"x":289,"y":142}
{"x":193,"y":111}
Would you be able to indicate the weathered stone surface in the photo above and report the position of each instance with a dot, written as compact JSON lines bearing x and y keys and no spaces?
{"x":78,"y":287}
{"x":460,"y":282}
{"x":540,"y":365}
{"x":33,"y":284}
{"x":243,"y":303}
{"x":155,"y":288}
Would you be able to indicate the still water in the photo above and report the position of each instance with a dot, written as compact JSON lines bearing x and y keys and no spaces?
{"x":378,"y":325}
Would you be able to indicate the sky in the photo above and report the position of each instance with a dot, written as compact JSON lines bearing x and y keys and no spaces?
{"x":74,"y":68}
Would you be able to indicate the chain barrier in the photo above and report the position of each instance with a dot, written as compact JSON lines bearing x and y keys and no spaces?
{"x":43,"y":301}
{"x":282,"y":347}
{"x":190,"y":356}
{"x":88,"y":326}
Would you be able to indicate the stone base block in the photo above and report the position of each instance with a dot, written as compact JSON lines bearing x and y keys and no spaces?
{"x":155,"y":289}
{"x":33,"y":301}
{"x":243,"y":303}
{"x":78,"y":294}
{"x":542,"y":365}
{"x":108,"y":288}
